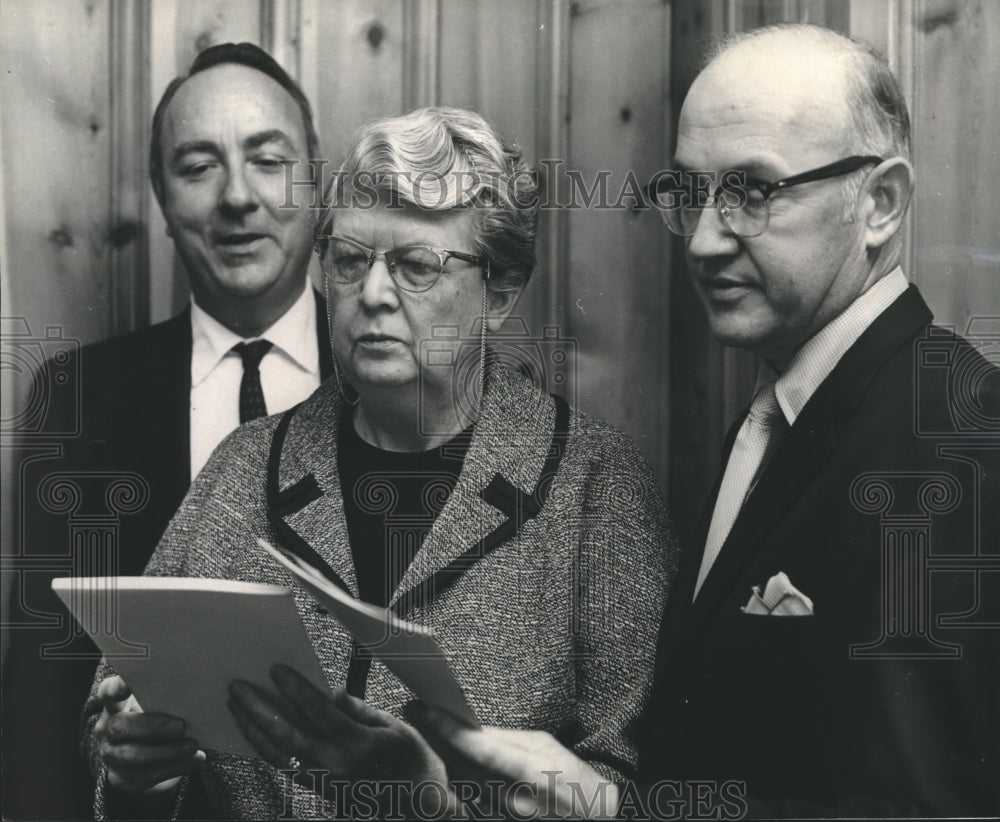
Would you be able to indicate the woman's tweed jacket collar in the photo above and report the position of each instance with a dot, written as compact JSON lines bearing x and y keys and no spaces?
{"x":511,"y":438}
{"x":553,"y":630}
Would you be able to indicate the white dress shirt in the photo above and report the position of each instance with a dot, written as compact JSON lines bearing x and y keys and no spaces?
{"x":820,"y":354}
{"x":810,"y":366}
{"x":289,"y":372}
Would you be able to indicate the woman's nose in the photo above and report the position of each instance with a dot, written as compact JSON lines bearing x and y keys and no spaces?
{"x":378,"y":287}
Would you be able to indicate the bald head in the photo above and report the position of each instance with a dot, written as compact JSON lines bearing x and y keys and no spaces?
{"x":781,"y":107}
{"x":814,"y":68}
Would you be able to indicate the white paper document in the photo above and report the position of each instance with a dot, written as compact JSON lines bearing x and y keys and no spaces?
{"x":410,"y":651}
{"x":179,"y":642}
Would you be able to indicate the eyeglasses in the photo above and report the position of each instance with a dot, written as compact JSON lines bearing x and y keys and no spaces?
{"x":742,"y":202}
{"x":412,"y":268}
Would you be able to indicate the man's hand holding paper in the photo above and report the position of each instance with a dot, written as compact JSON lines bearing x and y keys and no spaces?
{"x":537,"y":777}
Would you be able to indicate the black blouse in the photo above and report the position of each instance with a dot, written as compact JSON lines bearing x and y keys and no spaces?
{"x":391,"y":500}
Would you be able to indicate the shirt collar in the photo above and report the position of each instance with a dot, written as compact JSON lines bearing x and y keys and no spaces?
{"x":820,"y":354}
{"x":293,"y":334}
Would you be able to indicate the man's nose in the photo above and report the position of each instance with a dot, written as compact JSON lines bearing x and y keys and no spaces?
{"x":712,"y":235}
{"x":378,"y":288}
{"x":239,"y":194}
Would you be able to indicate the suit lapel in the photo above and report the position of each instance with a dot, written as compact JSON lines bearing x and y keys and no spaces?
{"x":310,"y":501}
{"x":513,"y":412}
{"x":801,"y":455}
{"x":682,"y":590}
{"x":308,"y":508}
{"x":165,"y":398}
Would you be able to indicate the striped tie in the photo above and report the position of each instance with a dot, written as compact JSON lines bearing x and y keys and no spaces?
{"x":251,"y":392}
{"x":751,"y":445}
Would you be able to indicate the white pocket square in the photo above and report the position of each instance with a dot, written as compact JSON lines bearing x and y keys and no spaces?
{"x":780,"y":598}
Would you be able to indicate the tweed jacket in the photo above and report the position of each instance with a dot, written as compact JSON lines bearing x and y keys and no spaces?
{"x":553,"y":629}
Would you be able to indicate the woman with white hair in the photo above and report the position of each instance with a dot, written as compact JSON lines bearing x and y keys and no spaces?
{"x":430,"y":478}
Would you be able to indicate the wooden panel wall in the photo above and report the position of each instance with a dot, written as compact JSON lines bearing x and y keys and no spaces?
{"x":616,"y":279}
{"x":57,"y":143}
{"x":56,"y":132}
{"x":360,"y":61}
{"x":595,"y":84}
{"x":956,"y":125}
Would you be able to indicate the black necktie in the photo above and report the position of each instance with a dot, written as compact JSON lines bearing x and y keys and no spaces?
{"x":251,"y":393}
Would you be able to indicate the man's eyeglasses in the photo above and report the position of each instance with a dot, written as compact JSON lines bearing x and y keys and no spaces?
{"x":742,"y":202}
{"x":412,"y":268}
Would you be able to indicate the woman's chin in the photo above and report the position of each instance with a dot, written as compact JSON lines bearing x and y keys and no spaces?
{"x":381,"y":379}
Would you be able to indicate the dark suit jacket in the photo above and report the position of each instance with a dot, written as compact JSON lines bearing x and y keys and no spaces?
{"x":873,"y":706}
{"x":126,"y":473}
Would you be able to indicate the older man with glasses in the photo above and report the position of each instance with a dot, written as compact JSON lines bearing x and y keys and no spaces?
{"x":829,"y":647}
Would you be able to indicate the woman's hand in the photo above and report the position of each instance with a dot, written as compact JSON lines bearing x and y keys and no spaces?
{"x":541,"y":778}
{"x":143,"y":753}
{"x":342,"y":736}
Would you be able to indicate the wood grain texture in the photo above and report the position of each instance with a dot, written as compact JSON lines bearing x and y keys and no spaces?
{"x":616,"y":270}
{"x":956,"y":122}
{"x":359,"y":64}
{"x":128,"y":264}
{"x":55,"y":128}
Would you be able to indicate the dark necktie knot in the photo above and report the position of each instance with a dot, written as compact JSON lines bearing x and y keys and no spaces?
{"x":252,"y":353}
{"x":251,"y":391}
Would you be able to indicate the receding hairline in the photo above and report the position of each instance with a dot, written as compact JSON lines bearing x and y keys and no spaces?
{"x":780,"y":56}
{"x":794,"y":35}
{"x":248,"y":56}
{"x":876,"y":114}
{"x":192,"y":83}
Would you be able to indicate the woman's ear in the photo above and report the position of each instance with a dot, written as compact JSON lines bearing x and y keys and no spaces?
{"x":500,"y":302}
{"x":886,"y":195}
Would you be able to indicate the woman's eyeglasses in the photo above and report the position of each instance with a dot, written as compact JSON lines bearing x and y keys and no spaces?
{"x":412,"y":268}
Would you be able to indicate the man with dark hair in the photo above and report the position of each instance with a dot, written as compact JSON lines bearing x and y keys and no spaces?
{"x":156,"y":402}
{"x":831,"y":643}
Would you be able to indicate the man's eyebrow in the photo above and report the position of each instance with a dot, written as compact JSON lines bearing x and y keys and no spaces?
{"x":755,"y":169}
{"x":273,"y":135}
{"x":194,"y":147}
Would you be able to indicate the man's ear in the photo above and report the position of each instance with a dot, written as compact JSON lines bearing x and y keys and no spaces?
{"x":501,"y":302}
{"x":886,"y":195}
